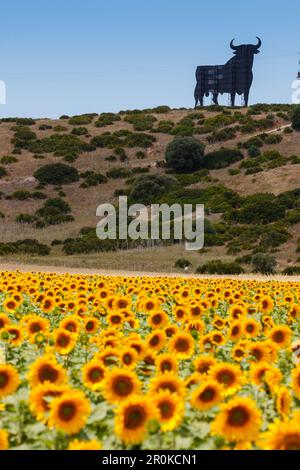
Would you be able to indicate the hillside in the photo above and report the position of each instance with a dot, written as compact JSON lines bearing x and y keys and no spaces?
{"x":110,"y":151}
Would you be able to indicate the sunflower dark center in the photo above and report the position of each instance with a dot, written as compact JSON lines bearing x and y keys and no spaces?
{"x":166,"y":409}
{"x":47,"y":373}
{"x":135,"y":416}
{"x":207,"y":395}
{"x":67,"y":411}
{"x":3,"y":379}
{"x":182,"y":345}
{"x":122,"y":386}
{"x":95,"y":374}
{"x":238,"y":416}
{"x":225,"y":377}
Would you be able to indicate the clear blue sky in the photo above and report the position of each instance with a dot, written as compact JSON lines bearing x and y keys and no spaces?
{"x":76,"y":56}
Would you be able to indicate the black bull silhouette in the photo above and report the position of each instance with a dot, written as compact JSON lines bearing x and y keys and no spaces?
{"x":235,"y":77}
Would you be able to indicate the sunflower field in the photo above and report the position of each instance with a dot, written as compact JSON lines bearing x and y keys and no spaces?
{"x":95,"y":362}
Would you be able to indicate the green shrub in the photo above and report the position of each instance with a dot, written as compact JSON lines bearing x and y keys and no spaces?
{"x":254,"y":151}
{"x":21,"y":195}
{"x":27,"y":246}
{"x":292,"y":271}
{"x":182,"y":263}
{"x":79,"y":131}
{"x":56,"y":173}
{"x":259,"y":209}
{"x":141,"y":122}
{"x":25,"y":219}
{"x":81,"y":120}
{"x":148,"y":189}
{"x":116,"y":173}
{"x":234,"y":171}
{"x":107,"y":119}
{"x":23,"y":136}
{"x":222,"y":136}
{"x":264,"y":263}
{"x":165,"y":127}
{"x":45,"y":127}
{"x":7,"y":160}
{"x":219,"y":267}
{"x":183,"y":130}
{"x":106,"y":140}
{"x":140,"y":155}
{"x":3,"y":172}
{"x":139,"y":140}
{"x":60,"y":145}
{"x":273,"y":139}
{"x":184,"y":154}
{"x":92,"y":179}
{"x":221,"y":158}
{"x":296,"y":118}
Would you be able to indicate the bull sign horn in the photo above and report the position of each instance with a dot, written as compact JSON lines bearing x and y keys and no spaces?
{"x":233,"y":47}
{"x":259,"y":42}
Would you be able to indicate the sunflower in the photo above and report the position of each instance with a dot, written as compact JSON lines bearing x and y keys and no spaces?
{"x":257,"y":372}
{"x":4,"y":444}
{"x":182,"y":345}
{"x":281,"y":336}
{"x":120,"y":384}
{"x":237,"y":311}
{"x":39,"y":398}
{"x":156,"y":340}
{"x":64,"y":341}
{"x":170,"y":410}
{"x":203,"y":364}
{"x":10,"y":304}
{"x":251,"y":327}
{"x":69,"y":412}
{"x":93,"y":375}
{"x":167,"y":381}
{"x":283,"y":401}
{"x":239,"y":420}
{"x":46,"y":369}
{"x":296,"y":381}
{"x":166,"y":363}
{"x":239,"y":351}
{"x":128,"y":357}
{"x":91,"y":325}
{"x":132,"y":418}
{"x":4,"y":320}
{"x":207,"y":395}
{"x":47,"y":304}
{"x":180,"y":313}
{"x":266,"y":304}
{"x":72,"y":324}
{"x":228,"y":375}
{"x":258,"y":352}
{"x":236,"y":330}
{"x":282,"y":435}
{"x":115,"y":319}
{"x":158,"y":319}
{"x":15,"y":337}
{"x":9,"y":380}
{"x":85,"y":445}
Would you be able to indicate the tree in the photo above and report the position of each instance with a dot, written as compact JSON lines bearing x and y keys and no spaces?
{"x":185,"y":154}
{"x":296,"y":118}
{"x":264,"y":263}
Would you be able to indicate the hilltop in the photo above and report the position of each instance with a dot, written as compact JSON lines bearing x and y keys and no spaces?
{"x":106,"y":154}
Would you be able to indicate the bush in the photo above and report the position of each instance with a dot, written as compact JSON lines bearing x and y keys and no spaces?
{"x":264,"y":263}
{"x":292,"y":271}
{"x":3,"y":172}
{"x":56,"y":173}
{"x":219,"y":267}
{"x":222,"y":136}
{"x":116,"y":173}
{"x":165,"y":127}
{"x":221,"y":158}
{"x":148,"y":189}
{"x":140,"y":121}
{"x":259,"y":209}
{"x":79,"y":131}
{"x":7,"y":160}
{"x":139,"y":140}
{"x":182,"y":263}
{"x":81,"y":120}
{"x":92,"y":179}
{"x":106,"y":119}
{"x":272,"y":139}
{"x":27,"y":246}
{"x":185,"y":154}
{"x":21,"y":195}
{"x":296,"y":118}
{"x":254,"y":151}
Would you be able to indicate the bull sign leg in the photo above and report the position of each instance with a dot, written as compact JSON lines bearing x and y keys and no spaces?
{"x":246,"y":98}
{"x":215,"y":98}
{"x":232,"y":99}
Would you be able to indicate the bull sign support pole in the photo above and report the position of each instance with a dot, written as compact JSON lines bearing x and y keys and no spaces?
{"x":235,"y":77}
